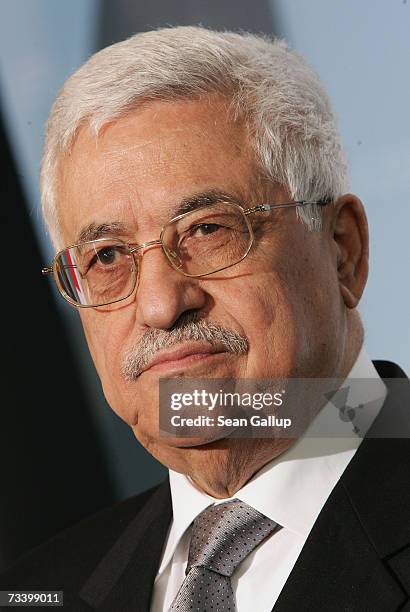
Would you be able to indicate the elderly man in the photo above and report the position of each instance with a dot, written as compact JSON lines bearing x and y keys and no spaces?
{"x":195,"y":189}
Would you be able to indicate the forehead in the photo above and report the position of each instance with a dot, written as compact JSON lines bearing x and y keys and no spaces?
{"x":141,"y":166}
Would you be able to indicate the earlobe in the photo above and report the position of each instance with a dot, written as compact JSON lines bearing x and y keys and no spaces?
{"x":350,"y":300}
{"x":346,"y":272}
{"x":350,"y":233}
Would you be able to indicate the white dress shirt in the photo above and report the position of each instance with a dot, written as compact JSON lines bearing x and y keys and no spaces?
{"x":291,"y":490}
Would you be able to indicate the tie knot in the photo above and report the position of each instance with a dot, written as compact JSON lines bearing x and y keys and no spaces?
{"x":224,"y":534}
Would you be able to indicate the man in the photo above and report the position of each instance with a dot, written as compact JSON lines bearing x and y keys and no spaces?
{"x":195,"y":189}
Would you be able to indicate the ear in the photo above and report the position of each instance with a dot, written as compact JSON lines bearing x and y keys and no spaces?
{"x":351,"y":236}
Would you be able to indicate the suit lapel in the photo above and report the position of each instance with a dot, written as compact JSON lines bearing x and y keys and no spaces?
{"x":338,"y":568}
{"x":124,"y":578}
{"x":357,"y":556}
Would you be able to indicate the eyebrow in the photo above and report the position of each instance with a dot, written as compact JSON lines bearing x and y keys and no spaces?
{"x":205,"y":198}
{"x":94,"y":231}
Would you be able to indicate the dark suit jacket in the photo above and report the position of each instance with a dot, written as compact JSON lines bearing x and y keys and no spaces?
{"x":356,"y":558}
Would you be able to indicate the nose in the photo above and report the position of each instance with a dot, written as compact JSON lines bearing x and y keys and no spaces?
{"x":163,"y":293}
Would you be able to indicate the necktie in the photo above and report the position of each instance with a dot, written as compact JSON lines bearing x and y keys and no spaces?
{"x":222,"y":537}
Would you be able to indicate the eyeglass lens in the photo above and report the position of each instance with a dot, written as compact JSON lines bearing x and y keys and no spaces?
{"x":96,"y":273}
{"x":198,"y":243}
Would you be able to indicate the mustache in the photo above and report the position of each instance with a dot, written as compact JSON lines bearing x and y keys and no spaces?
{"x":189,"y":327}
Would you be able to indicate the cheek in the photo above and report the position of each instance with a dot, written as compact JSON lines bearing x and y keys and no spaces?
{"x":284,"y":315}
{"x":107,"y":335}
{"x":274,"y":338}
{"x":262,"y":307}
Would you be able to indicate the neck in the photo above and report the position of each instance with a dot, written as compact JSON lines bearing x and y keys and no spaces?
{"x":230,"y":464}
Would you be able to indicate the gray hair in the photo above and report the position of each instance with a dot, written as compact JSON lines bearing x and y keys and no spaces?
{"x":288,"y":114}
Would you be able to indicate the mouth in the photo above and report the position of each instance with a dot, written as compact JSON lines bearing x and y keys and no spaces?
{"x":182,"y":357}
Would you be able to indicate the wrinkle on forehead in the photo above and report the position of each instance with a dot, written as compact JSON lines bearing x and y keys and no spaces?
{"x":138,"y":148}
{"x":175,"y":142}
{"x":156,"y":155}
{"x":165,"y":116}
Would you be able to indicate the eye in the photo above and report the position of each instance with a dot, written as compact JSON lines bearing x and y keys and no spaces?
{"x":204,"y":229}
{"x":103,"y":258}
{"x":107,"y":255}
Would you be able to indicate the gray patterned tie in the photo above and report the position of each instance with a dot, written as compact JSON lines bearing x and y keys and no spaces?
{"x":222,"y":537}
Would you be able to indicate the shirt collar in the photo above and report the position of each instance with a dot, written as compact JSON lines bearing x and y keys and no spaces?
{"x":291,"y":489}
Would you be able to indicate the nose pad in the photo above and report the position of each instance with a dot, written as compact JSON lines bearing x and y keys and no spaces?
{"x":136,"y":263}
{"x":174,"y":257}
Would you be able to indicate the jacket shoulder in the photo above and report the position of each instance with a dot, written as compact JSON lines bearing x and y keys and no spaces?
{"x":73,"y":553}
{"x":388,"y":369}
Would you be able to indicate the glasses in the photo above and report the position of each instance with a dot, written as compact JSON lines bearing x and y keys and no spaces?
{"x":197,"y":243}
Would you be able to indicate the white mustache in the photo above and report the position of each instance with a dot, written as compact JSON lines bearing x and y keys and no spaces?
{"x":188,"y":328}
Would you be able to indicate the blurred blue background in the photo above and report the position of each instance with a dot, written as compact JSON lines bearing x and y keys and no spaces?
{"x":361,"y":50}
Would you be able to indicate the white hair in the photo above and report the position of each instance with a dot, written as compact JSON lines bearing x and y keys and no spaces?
{"x":289,"y":117}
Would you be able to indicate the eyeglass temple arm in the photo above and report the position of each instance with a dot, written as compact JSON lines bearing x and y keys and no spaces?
{"x":45,"y":271}
{"x":269,"y":207}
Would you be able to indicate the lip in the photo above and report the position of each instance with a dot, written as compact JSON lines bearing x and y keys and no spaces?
{"x":185,"y":355}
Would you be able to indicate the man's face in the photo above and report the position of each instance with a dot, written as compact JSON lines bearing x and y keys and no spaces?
{"x":283,"y":298}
